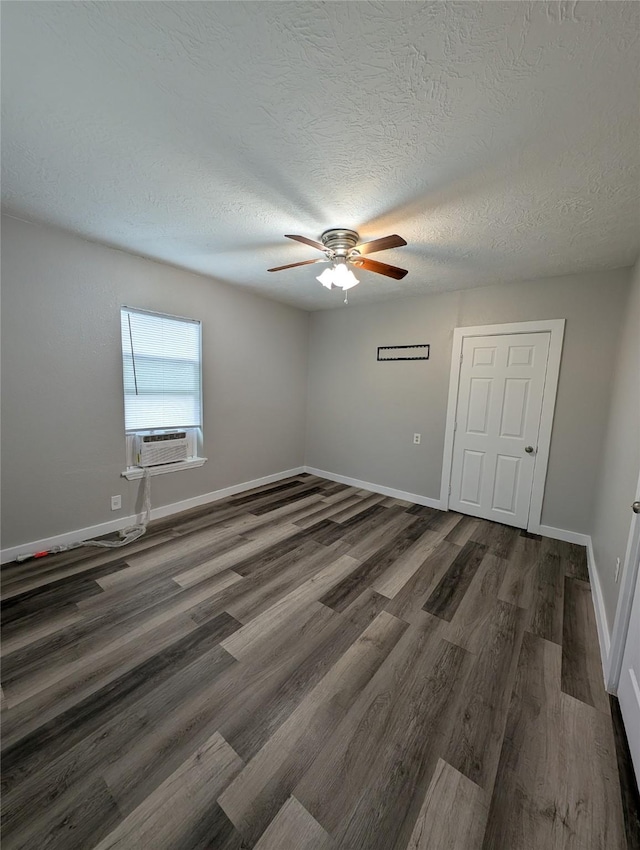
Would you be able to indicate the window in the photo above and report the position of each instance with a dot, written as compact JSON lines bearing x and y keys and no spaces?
{"x":162,"y":368}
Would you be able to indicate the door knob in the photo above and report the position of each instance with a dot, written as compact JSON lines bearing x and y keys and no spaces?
{"x":528,"y":450}
{"x":635,"y":507}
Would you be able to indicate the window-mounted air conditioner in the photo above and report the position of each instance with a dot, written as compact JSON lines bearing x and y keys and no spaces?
{"x":155,"y":449}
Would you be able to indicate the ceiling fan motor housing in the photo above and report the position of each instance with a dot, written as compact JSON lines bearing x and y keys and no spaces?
{"x":339,"y":242}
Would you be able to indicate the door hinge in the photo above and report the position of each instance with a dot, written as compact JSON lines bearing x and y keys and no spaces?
{"x":461,"y":357}
{"x":455,"y":426}
{"x":449,"y":489}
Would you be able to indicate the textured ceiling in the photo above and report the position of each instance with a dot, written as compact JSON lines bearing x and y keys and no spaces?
{"x":499,"y":139}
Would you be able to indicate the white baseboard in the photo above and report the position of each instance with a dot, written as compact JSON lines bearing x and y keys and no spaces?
{"x":563,"y":534}
{"x":376,"y":488}
{"x":93,"y":531}
{"x":602,"y":624}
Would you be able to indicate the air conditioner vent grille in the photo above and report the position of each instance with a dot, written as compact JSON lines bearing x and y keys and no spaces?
{"x":157,"y":449}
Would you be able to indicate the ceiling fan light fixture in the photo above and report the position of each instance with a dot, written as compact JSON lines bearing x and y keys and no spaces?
{"x":326,"y":278}
{"x":344,"y":277}
{"x":338,"y":275}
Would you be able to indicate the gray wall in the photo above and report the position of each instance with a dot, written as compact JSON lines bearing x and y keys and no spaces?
{"x":362,"y":414}
{"x":620,"y":459}
{"x":63,"y":445}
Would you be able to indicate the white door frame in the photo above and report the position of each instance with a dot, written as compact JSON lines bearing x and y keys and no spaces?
{"x":556,"y":328}
{"x":625,"y":600}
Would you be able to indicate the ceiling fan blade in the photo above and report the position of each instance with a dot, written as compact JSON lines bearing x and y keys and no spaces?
{"x":293,"y":265}
{"x":379,"y":268}
{"x":394,"y":241}
{"x":306,"y":241}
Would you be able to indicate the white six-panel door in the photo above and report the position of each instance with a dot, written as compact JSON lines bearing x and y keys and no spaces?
{"x":500,"y":395}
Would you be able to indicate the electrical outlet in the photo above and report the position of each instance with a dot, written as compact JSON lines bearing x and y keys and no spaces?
{"x":617,"y":569}
{"x":116,"y":503}
{"x":417,"y":438}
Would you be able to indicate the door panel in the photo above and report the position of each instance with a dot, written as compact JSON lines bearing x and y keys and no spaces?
{"x":514,"y":408}
{"x":500,"y":396}
{"x":520,"y":355}
{"x":506,"y":484}
{"x":479,"y":402}
{"x":471,"y":485}
{"x":484,"y":356}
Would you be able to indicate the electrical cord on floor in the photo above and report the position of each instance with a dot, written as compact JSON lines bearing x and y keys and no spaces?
{"x":126,"y":535}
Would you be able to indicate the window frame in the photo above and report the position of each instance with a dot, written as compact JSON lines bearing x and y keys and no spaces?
{"x":195,"y":433}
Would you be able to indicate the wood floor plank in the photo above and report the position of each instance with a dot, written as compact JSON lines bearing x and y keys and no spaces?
{"x":402,"y":677}
{"x":74,"y":562}
{"x":170,"y":736}
{"x":628,"y":781}
{"x":74,"y":822}
{"x":253,"y":799}
{"x":453,"y":815}
{"x":351,"y":529}
{"x":481,"y":711}
{"x":30,"y":591}
{"x":582,"y":675}
{"x":590,"y":800}
{"x":173,"y":814}
{"x":368,"y":783}
{"x":546,"y":609}
{"x":43,"y":697}
{"x":39,"y":625}
{"x":453,"y":585}
{"x":100,"y":627}
{"x":288,"y":573}
{"x":245,"y":639}
{"x":291,"y":498}
{"x":367,"y":500}
{"x":462,"y":531}
{"x":398,"y":573}
{"x":235,"y":555}
{"x":47,"y":768}
{"x":572,"y":555}
{"x":327,"y":508}
{"x":343,"y":593}
{"x":322,"y":642}
{"x":293,"y":826}
{"x":64,"y":590}
{"x":499,"y":539}
{"x":408,"y":601}
{"x":67,"y":727}
{"x":363,"y":546}
{"x":518,"y":585}
{"x":106,"y":641}
{"x":524,"y":813}
{"x":471,"y":623}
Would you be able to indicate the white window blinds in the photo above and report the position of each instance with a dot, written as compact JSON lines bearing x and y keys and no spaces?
{"x":161,"y":363}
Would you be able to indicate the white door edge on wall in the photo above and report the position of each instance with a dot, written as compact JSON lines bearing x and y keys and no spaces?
{"x":555,"y":327}
{"x":630,"y":569}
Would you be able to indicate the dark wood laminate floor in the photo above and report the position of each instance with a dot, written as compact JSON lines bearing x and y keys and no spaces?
{"x":308,"y":667}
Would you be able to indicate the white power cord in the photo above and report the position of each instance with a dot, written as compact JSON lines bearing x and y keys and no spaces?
{"x":126,"y":535}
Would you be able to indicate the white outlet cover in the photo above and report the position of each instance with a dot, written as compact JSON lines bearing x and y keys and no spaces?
{"x":417,"y":438}
{"x":116,"y":503}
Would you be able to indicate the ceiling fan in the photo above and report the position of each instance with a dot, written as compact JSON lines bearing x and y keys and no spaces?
{"x":341,"y":249}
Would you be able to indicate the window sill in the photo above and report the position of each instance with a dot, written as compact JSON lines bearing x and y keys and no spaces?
{"x":135,"y":472}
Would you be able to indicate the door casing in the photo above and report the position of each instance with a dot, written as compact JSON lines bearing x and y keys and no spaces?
{"x":556,"y":328}
{"x":630,"y":574}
